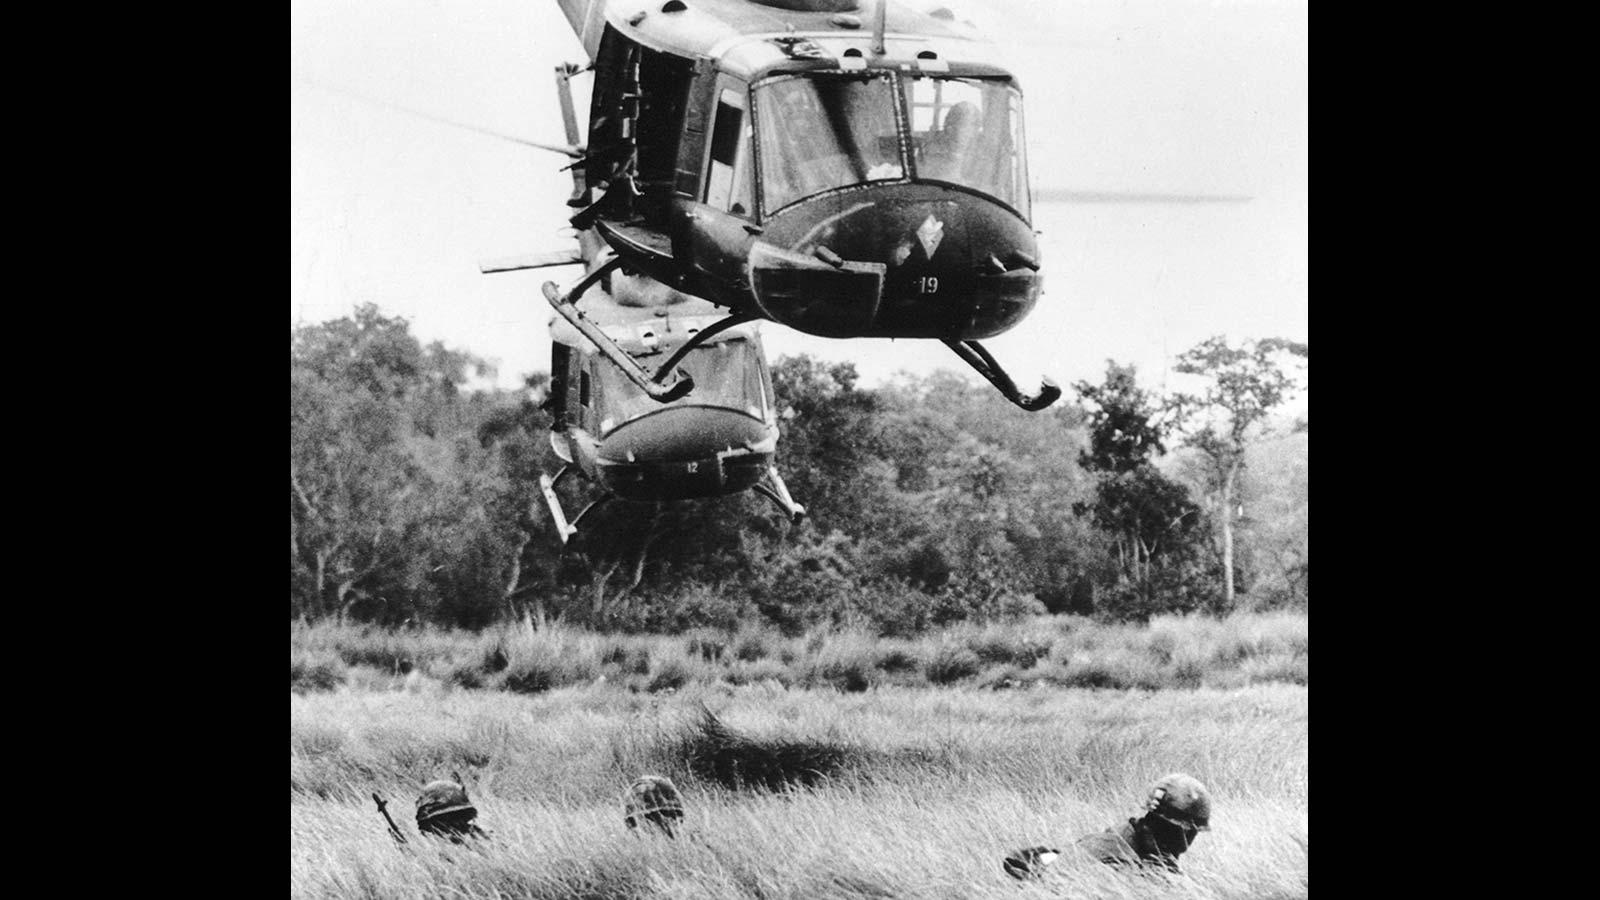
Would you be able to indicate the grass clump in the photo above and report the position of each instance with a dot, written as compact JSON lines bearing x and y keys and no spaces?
{"x":751,"y":645}
{"x":759,"y":671}
{"x":1008,"y":646}
{"x":707,"y":644}
{"x":896,"y":657}
{"x":846,"y":662}
{"x":950,"y":663}
{"x":1007,"y":677}
{"x":670,"y":674}
{"x":712,"y":750}
{"x":628,"y":658}
{"x":848,"y":674}
{"x":315,"y":671}
{"x":545,"y":659}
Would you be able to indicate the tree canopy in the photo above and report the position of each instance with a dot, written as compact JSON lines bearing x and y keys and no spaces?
{"x":415,"y":498}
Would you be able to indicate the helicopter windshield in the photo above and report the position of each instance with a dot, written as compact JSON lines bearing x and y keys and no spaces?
{"x":819,"y":133}
{"x":726,"y":375}
{"x":968,"y":131}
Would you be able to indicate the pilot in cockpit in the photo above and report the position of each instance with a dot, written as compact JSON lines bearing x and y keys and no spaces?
{"x":946,"y":151}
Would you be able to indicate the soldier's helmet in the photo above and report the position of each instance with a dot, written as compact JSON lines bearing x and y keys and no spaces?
{"x":651,"y":798}
{"x":441,"y":798}
{"x":1182,"y":800}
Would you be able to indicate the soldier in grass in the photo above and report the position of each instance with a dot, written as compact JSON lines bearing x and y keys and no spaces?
{"x":443,"y":810}
{"x":654,"y":800}
{"x":1176,"y":810}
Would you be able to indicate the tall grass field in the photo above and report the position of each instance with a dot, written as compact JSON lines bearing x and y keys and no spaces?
{"x":847,"y":768}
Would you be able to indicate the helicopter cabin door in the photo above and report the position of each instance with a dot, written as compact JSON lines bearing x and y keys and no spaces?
{"x":636,"y":118}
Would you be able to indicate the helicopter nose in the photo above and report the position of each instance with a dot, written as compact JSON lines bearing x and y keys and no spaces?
{"x":683,"y":452}
{"x":911,"y":260}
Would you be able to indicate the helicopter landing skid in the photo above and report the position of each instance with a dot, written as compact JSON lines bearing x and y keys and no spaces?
{"x":566,"y":305}
{"x":589,"y":509}
{"x":548,"y":486}
{"x":772,"y":487}
{"x":982,"y":360}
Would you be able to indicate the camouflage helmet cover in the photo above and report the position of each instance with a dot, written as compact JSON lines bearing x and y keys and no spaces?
{"x":440,"y":798}
{"x":1181,"y":799}
{"x":650,"y":794}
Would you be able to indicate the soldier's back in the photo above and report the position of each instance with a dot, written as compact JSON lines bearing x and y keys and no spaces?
{"x":1113,"y":846}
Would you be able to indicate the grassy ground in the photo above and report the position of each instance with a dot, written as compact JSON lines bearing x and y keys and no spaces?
{"x":1064,"y":651}
{"x":917,"y":792}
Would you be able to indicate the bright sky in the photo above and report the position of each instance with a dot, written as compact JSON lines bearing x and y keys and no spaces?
{"x":1150,"y":96}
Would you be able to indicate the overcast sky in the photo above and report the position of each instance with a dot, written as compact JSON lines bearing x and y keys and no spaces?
{"x":1147,"y":96}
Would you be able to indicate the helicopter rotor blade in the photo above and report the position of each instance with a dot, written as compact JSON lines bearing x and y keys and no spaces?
{"x":530,"y":261}
{"x":571,"y":151}
{"x":1074,"y":196}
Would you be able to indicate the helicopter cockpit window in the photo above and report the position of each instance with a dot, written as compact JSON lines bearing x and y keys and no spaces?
{"x":818,"y":133}
{"x":726,"y":375}
{"x":968,"y":131}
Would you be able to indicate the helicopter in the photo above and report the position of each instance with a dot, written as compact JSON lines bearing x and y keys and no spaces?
{"x":778,"y":160}
{"x":719,"y":441}
{"x":633,"y":444}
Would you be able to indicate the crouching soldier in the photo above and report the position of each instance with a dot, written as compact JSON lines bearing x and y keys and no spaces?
{"x":1176,"y":811}
{"x":655,"y":800}
{"x":444,"y":811}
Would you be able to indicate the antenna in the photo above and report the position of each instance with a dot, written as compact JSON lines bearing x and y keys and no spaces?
{"x":877,"y":28}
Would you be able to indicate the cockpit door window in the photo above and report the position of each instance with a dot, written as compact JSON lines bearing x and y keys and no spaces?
{"x":728,"y":187}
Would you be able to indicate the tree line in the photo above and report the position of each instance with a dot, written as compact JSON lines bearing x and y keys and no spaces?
{"x":414,"y":498}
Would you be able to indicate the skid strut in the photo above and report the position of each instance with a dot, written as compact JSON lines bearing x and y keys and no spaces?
{"x":548,"y":486}
{"x":563,"y":529}
{"x":772,"y":487}
{"x":700,"y":338}
{"x":979,"y":358}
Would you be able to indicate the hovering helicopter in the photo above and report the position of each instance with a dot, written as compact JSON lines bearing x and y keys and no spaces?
{"x":778,"y":160}
{"x":719,"y":441}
